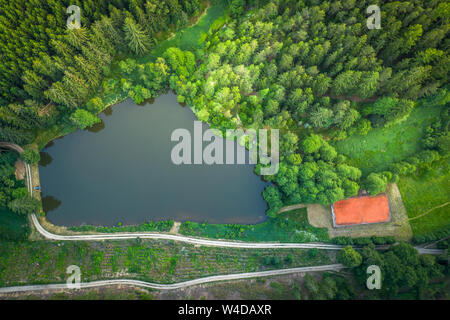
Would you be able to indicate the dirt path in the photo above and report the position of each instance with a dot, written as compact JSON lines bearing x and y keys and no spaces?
{"x":236,"y":276}
{"x":19,"y":165}
{"x":193,"y":22}
{"x":293,"y":207}
{"x":424,"y":214}
{"x":320,"y":216}
{"x":352,"y":98}
{"x":175,"y":228}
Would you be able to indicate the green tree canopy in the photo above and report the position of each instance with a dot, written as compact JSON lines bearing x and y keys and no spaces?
{"x":83,"y":119}
{"x":30,"y":156}
{"x":349,"y":257}
{"x":25,"y":205}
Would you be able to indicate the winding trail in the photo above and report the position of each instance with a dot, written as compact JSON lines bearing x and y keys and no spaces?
{"x":174,"y":237}
{"x":424,"y":214}
{"x":172,"y":286}
{"x":199,"y":241}
{"x":292,"y":207}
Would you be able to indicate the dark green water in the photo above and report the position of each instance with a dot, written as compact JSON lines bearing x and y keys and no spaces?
{"x":121,"y":171}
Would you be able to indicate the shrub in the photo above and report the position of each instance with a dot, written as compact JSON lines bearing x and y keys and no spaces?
{"x":362,"y":241}
{"x":289,"y":258}
{"x":95,"y":105}
{"x":376,"y":183}
{"x":431,"y":237}
{"x":342,"y":241}
{"x":313,"y":252}
{"x":19,"y":193}
{"x":30,"y":156}
{"x":276,"y":261}
{"x":349,"y":257}
{"x":25,"y":205}
{"x":83,"y":119}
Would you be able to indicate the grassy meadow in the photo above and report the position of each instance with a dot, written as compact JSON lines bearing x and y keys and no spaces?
{"x":425,"y":192}
{"x":382,"y":147}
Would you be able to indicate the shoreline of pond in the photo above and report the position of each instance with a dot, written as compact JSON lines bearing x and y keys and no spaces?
{"x":155,"y":224}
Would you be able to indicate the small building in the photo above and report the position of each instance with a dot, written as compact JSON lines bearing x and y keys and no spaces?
{"x":361,"y":210}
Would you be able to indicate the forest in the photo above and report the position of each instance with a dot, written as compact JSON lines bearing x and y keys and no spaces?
{"x":406,"y":274}
{"x":311,"y":69}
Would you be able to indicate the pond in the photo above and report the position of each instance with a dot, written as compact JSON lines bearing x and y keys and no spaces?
{"x":121,"y":171}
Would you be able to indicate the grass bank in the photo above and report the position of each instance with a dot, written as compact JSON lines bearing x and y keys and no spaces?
{"x":291,"y":226}
{"x":158,"y":226}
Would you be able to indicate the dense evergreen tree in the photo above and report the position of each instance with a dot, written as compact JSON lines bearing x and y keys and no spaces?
{"x":138,"y":40}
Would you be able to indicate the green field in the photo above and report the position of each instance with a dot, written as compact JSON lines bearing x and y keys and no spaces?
{"x":291,"y":226}
{"x":422,"y":193}
{"x":382,"y":147}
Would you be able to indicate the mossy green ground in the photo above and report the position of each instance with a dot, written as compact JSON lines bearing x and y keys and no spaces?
{"x":291,"y":226}
{"x":382,"y":147}
{"x":424,"y":192}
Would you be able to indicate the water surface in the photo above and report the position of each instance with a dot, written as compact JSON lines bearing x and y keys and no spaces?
{"x":121,"y":171}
